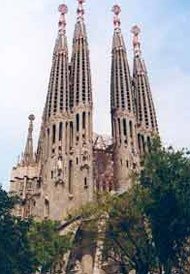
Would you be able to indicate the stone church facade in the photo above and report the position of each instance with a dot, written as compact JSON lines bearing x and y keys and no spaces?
{"x":71,"y":163}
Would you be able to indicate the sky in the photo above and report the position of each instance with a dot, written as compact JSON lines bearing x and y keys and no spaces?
{"x":28,"y":30}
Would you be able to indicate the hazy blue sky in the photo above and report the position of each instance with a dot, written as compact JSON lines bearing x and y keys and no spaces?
{"x":27,"y":34}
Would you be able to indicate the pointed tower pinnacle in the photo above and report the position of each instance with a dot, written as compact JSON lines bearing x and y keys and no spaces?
{"x":62,"y":21}
{"x":81,"y":90}
{"x":80,"y":127}
{"x":136,"y":42}
{"x":58,"y":90}
{"x":145,"y":111}
{"x":117,"y":38}
{"x":65,"y":143}
{"x":28,"y":156}
{"x":122,"y":109}
{"x":116,"y":10}
{"x":80,"y":10}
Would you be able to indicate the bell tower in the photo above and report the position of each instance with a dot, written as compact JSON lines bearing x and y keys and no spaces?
{"x":147,"y":126}
{"x":65,"y":143}
{"x":122,"y":109}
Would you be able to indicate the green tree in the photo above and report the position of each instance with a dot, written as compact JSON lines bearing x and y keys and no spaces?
{"x":125,"y":233}
{"x":27,"y":246}
{"x":128,"y":234}
{"x":48,"y":245}
{"x":148,"y":228}
{"x":166,"y":177}
{"x":15,"y":254}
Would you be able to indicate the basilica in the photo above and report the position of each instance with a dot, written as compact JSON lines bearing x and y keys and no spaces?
{"x":71,"y":163}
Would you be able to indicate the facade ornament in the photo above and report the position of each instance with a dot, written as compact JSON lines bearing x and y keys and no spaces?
{"x":116,"y":20}
{"x":80,"y":9}
{"x":136,"y":42}
{"x":63,"y":9}
{"x":58,"y":172}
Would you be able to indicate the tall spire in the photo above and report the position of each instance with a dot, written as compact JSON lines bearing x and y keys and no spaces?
{"x":122,"y":108}
{"x":65,"y":143}
{"x":81,"y":90}
{"x":58,"y":90}
{"x":121,"y":94}
{"x":118,"y":40}
{"x":28,"y":157}
{"x":145,"y":110}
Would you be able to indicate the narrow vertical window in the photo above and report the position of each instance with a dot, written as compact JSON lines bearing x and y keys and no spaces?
{"x":60,"y":131}
{"x":139,"y":142}
{"x":124,"y":127}
{"x":148,"y":143}
{"x":77,"y":122}
{"x":54,"y":134}
{"x":71,"y":134}
{"x":113,"y":129}
{"x":66,"y":136}
{"x":47,"y":209}
{"x":70,"y":176}
{"x":83,"y":120}
{"x":85,"y":183}
{"x":119,"y":126}
{"x":131,"y":129}
{"x":89,"y":125}
{"x":144,"y":145}
{"x":48,"y":134}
